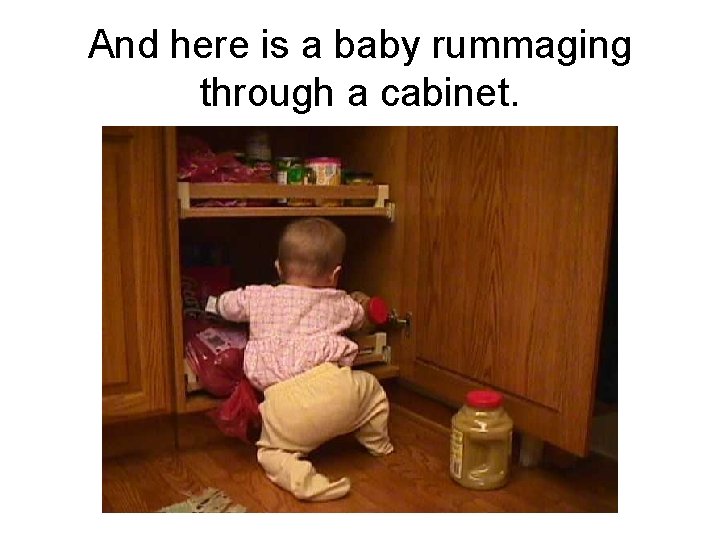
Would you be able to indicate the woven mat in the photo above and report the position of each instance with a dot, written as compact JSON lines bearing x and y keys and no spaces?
{"x":210,"y":500}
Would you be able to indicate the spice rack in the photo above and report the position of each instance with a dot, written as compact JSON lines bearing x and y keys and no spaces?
{"x":189,"y":192}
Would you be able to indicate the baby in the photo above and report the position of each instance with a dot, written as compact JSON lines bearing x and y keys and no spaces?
{"x":298,"y":356}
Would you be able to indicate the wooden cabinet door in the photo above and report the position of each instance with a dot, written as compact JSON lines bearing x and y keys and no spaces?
{"x":136,"y":342}
{"x":508,"y":229}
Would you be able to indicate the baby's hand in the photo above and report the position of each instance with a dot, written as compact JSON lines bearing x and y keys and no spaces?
{"x":361,"y":298}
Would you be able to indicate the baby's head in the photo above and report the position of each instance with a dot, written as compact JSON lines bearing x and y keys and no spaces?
{"x":310,"y":253}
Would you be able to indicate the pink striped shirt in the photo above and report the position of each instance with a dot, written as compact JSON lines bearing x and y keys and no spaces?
{"x":292,"y":329}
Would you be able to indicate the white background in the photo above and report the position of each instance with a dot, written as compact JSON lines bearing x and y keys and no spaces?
{"x":55,"y":100}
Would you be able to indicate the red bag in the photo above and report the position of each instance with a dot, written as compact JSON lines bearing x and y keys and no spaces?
{"x":216,"y":356}
{"x":239,"y":415}
{"x":199,"y":282}
{"x":215,"y":351}
{"x":197,"y":163}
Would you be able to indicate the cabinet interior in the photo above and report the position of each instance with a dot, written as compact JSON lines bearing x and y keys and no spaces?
{"x":249,"y":244}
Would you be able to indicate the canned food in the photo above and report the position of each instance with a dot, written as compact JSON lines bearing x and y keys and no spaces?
{"x":257,"y":147}
{"x":352,"y":178}
{"x":297,"y":175}
{"x":326,"y":171}
{"x":282,"y":164}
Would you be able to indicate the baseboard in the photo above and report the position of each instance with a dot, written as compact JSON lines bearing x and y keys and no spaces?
{"x":604,"y":435}
{"x":143,"y":436}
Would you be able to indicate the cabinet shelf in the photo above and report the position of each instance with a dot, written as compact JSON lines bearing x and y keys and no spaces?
{"x":259,"y":211}
{"x":189,"y":192}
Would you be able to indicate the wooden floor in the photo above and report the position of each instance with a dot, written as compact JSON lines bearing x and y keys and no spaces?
{"x":412,"y":479}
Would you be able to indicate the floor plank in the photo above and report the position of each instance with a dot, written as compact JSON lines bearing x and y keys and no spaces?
{"x":412,"y":479}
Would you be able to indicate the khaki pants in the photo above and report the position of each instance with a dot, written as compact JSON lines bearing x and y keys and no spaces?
{"x":302,"y":413}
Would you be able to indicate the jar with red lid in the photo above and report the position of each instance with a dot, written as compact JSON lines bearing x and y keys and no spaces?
{"x":326,"y":171}
{"x":481,"y":441}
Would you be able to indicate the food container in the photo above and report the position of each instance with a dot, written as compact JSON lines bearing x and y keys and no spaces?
{"x":257,"y":147}
{"x":352,"y":178}
{"x":326,"y":171}
{"x":481,"y":442}
{"x":282,"y":164}
{"x":297,"y":175}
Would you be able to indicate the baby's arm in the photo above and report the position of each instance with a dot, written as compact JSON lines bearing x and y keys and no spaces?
{"x":230,"y":305}
{"x":359,"y":305}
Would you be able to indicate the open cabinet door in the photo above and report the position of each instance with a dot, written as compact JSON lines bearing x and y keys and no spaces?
{"x":506,"y":241}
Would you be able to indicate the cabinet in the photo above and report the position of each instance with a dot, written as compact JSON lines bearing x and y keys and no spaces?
{"x":497,"y":247}
{"x":136,"y":356}
{"x":248,"y":235}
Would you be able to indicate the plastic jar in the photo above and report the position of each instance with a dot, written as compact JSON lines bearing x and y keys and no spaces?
{"x":326,"y":172}
{"x":481,"y":442}
{"x":257,"y":147}
{"x":352,"y":178}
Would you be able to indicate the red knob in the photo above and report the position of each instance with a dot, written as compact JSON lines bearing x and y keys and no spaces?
{"x":377,"y":311}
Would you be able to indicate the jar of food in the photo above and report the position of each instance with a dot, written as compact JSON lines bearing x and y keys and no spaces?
{"x":481,"y":442}
{"x":326,"y":171}
{"x":352,"y":178}
{"x":282,"y":164}
{"x":257,"y":147}
{"x":297,"y":175}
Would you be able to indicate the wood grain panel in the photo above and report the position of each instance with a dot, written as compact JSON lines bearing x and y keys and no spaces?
{"x":375,"y":260}
{"x":511,"y":242}
{"x":374,"y":248}
{"x":135,"y":274}
{"x":139,"y":436}
{"x":273,"y":191}
{"x":115,"y":370}
{"x":297,"y":211}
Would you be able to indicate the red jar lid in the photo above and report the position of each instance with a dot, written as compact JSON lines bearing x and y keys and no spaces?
{"x":484,"y":399}
{"x":378,"y":312}
{"x":323,"y":160}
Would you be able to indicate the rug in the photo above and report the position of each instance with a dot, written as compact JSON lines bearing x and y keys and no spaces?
{"x":210,"y":500}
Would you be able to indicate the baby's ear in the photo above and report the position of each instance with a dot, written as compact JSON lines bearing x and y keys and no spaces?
{"x":336,"y":274}
{"x":277,"y":268}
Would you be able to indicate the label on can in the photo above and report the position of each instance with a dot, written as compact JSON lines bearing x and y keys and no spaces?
{"x":282,"y":164}
{"x":282,"y":181}
{"x":327,"y":172}
{"x":456,"y":453}
{"x":297,"y":175}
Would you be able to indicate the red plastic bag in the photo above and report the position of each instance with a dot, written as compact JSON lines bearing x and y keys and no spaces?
{"x":239,"y":415}
{"x":196,"y":162}
{"x":199,"y":282}
{"x":216,"y":356}
{"x":214,"y":350}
